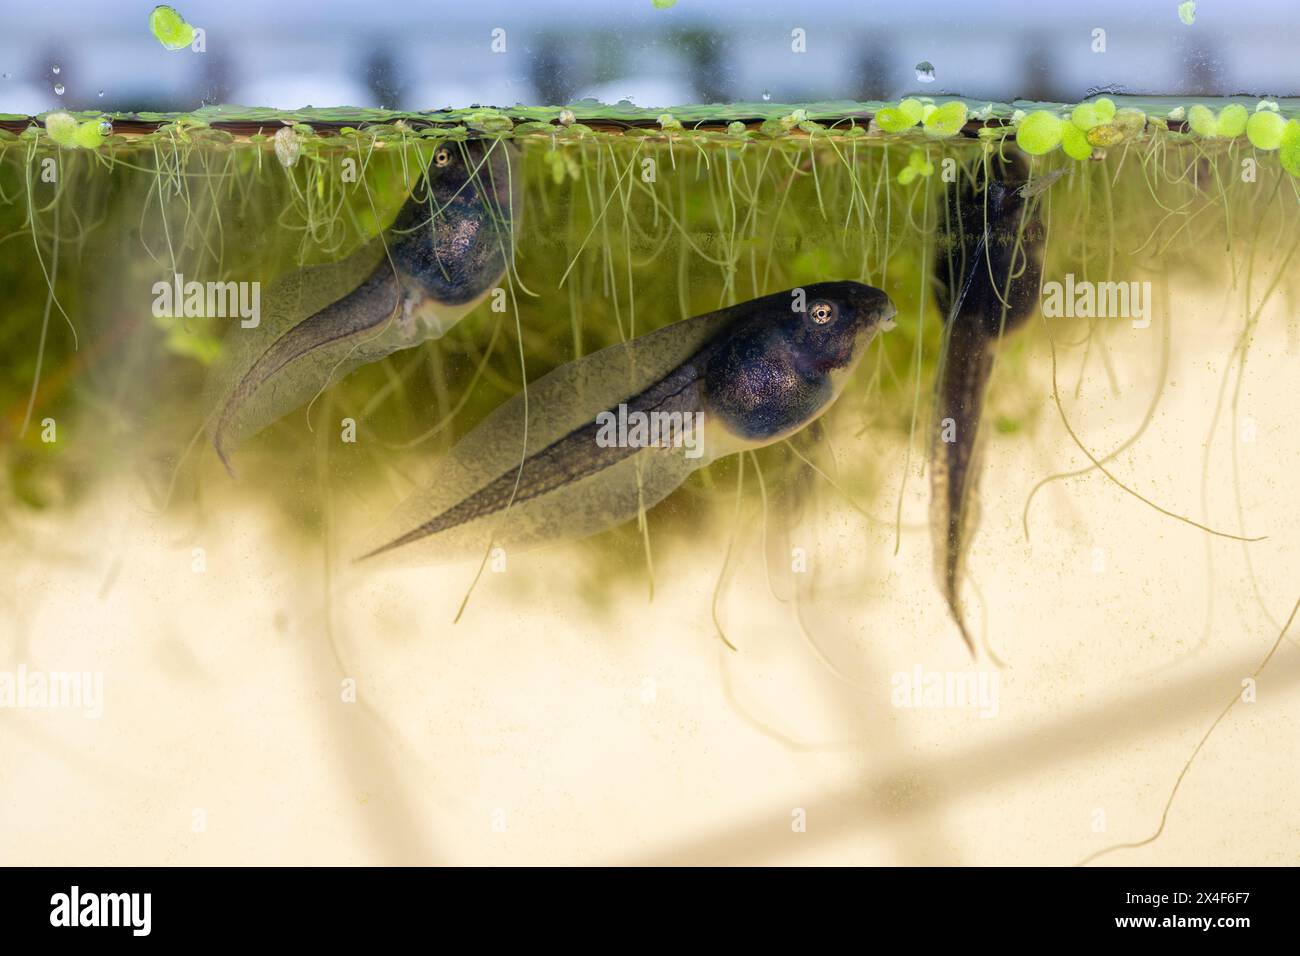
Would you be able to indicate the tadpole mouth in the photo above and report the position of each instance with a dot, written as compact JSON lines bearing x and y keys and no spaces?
{"x":873,"y":306}
{"x":887,"y":319}
{"x":880,"y":307}
{"x":885,"y":315}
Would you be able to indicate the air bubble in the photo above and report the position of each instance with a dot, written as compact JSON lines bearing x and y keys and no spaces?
{"x":766,"y":96}
{"x":925,"y":72}
{"x":101,"y":94}
{"x":56,"y":69}
{"x":58,"y":88}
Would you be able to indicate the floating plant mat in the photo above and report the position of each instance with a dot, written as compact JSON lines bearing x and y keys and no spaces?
{"x":631,"y":220}
{"x":1167,"y":111}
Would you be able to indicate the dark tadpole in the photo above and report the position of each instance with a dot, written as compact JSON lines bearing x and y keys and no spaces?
{"x":988,"y":281}
{"x":749,"y":375}
{"x":448,"y":246}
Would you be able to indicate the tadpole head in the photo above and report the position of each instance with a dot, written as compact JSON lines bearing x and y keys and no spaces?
{"x":991,"y":247}
{"x":784,"y":363}
{"x":453,"y":238}
{"x":481,"y":170}
{"x":839,"y":319}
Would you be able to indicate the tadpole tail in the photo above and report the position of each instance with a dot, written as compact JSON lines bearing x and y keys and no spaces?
{"x":571,"y":459}
{"x":954,"y":473}
{"x":364,"y":309}
{"x":576,"y":456}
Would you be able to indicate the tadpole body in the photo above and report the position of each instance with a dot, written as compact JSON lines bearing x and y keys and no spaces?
{"x":544,"y":467}
{"x":448,"y":246}
{"x":988,"y":284}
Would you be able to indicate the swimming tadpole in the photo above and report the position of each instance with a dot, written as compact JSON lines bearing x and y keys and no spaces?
{"x":987,"y":282}
{"x":596,"y":441}
{"x":449,"y":245}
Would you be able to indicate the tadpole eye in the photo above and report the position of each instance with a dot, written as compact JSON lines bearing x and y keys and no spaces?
{"x":822,"y":312}
{"x":442,"y":157}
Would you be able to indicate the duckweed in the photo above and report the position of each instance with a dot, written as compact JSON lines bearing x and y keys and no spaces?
{"x":1264,"y":129}
{"x":1075,"y":142}
{"x":1039,"y":132}
{"x":66,"y":131}
{"x":1105,"y":135}
{"x":1087,"y":115}
{"x":946,"y":120}
{"x":1228,"y":124}
{"x":918,"y":164}
{"x":896,"y":119}
{"x":1290,"y":148}
{"x":170,"y":28}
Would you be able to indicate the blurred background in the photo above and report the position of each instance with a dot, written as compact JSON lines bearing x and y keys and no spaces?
{"x":431,"y":55}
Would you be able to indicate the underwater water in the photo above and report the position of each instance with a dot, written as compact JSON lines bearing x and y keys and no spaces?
{"x":729,"y":658}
